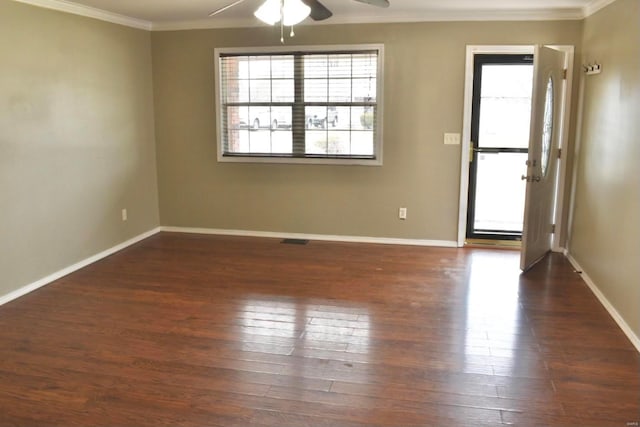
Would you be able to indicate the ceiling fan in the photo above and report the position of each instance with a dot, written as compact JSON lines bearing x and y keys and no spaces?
{"x":312,"y":8}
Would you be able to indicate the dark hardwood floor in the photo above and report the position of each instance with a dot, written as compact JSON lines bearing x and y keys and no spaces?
{"x":189,"y":330}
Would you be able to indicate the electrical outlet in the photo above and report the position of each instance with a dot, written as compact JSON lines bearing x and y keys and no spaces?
{"x":402,"y":213}
{"x":124,"y":214}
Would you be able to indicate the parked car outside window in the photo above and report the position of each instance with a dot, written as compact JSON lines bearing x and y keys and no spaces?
{"x":265,"y":117}
{"x":320,"y":117}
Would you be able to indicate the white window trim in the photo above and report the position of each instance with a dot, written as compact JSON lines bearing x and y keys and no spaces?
{"x":303,"y":160}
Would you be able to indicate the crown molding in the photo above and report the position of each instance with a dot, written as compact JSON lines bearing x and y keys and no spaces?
{"x":443,"y":16}
{"x":207,"y":24}
{"x":468,"y":15}
{"x":437,"y":16}
{"x":90,"y":12}
{"x":595,"y":6}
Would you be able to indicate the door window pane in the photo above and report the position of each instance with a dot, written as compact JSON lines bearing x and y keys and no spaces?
{"x":505,"y":106}
{"x":547,"y":129}
{"x":499,"y":202}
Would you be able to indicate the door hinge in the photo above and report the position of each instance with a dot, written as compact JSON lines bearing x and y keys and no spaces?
{"x":553,"y":228}
{"x":559,"y":153}
{"x":564,"y":74}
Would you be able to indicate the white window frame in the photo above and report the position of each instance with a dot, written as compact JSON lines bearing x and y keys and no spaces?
{"x":378,"y":129}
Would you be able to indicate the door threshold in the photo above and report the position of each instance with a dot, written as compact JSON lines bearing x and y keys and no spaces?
{"x":493,"y":244}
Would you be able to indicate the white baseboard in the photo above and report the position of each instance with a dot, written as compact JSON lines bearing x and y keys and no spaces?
{"x":324,"y":237}
{"x":605,"y":302}
{"x":77,"y":266}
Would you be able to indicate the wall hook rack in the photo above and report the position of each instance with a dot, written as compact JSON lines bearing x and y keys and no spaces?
{"x":594,"y":68}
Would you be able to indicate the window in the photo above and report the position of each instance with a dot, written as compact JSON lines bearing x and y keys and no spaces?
{"x":300,"y":104}
{"x":547,"y":128}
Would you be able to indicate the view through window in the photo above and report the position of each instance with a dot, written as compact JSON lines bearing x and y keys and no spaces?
{"x":320,"y":104}
{"x":503,"y":142}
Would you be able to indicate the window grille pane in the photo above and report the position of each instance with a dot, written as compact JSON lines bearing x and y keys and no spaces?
{"x":316,"y":142}
{"x":238,"y":141}
{"x":364,"y":90}
{"x":315,"y":90}
{"x":280,"y":118}
{"x":339,"y":143}
{"x":281,"y":142}
{"x":282,"y":67}
{"x":259,"y":117}
{"x":260,"y":141}
{"x":362,"y":143}
{"x":362,"y":118}
{"x":283,"y":90}
{"x":242,"y":68}
{"x":340,"y":90}
{"x":340,"y":66}
{"x":341,"y":118}
{"x":365,"y":65}
{"x":260,"y":90}
{"x":315,"y":117}
{"x":260,"y":67}
{"x":236,"y":117}
{"x":315,"y":66}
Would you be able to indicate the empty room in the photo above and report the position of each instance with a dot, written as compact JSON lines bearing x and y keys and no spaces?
{"x":336,"y":213}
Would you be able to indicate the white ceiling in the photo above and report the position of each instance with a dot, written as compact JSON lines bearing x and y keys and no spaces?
{"x":185,"y":14}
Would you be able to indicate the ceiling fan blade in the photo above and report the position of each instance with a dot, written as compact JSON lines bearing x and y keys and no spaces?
{"x":223,"y":8}
{"x":378,"y":3}
{"x":319,"y":12}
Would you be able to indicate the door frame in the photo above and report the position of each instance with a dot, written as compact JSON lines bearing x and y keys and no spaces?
{"x":559,"y":210}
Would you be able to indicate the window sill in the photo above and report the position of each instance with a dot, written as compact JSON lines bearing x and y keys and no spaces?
{"x":284,"y":159}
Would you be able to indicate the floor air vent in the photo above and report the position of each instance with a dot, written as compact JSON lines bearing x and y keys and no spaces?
{"x":295,"y":241}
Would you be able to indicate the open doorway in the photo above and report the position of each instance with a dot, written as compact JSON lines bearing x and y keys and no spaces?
{"x":518,"y":178}
{"x":500,"y":124}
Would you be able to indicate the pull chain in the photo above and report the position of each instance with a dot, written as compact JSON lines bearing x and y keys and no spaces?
{"x":281,"y":32}
{"x":282,"y":21}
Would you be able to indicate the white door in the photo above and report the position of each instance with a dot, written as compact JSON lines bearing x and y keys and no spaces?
{"x":544,"y":140}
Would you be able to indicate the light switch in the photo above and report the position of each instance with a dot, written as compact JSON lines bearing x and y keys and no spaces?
{"x":451,"y":139}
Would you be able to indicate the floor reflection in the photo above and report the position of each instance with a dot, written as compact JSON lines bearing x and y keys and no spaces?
{"x":324,"y":339}
{"x":493,"y":312}
{"x":270,"y":318}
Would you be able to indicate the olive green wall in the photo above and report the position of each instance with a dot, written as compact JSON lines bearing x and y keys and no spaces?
{"x":76,"y":140}
{"x":606,"y":225}
{"x":423,"y":98}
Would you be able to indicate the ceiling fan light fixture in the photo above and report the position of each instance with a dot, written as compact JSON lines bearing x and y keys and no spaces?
{"x":291,"y":12}
{"x":269,"y":12}
{"x":294,"y":12}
